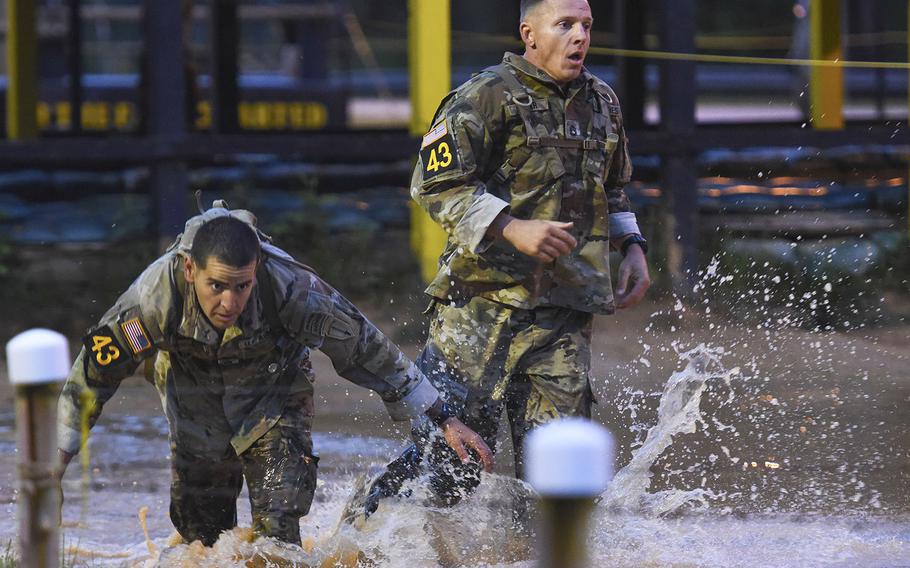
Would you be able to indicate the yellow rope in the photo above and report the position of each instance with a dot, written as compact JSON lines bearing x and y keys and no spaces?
{"x":708,"y":58}
{"x":705,"y":58}
{"x":720,"y":41}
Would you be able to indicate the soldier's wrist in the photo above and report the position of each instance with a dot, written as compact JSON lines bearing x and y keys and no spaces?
{"x":440,"y":412}
{"x":633,"y":240}
{"x":497,"y":229}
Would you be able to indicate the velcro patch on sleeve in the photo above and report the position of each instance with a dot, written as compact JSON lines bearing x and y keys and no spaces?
{"x":317,"y":324}
{"x":136,"y":335}
{"x":438,"y":153}
{"x":103,"y":347}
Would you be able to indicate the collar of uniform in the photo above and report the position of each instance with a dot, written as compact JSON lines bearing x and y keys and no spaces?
{"x":197,"y":327}
{"x":535,"y":72}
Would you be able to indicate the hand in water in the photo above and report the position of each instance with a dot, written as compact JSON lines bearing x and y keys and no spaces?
{"x":461,"y":438}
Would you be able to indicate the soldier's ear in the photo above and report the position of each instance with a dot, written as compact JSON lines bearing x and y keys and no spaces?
{"x":188,"y":269}
{"x":527,"y":35}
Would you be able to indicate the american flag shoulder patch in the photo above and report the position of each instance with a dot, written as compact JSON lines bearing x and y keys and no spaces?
{"x":135,"y":335}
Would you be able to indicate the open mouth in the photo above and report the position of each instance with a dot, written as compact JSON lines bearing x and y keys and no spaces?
{"x":576,"y":57}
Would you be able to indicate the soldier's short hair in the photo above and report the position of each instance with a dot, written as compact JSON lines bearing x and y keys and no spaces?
{"x":527,"y":6}
{"x":229,"y":240}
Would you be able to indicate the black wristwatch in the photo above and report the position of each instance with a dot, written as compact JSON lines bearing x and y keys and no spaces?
{"x":634,"y":240}
{"x":440,"y":412}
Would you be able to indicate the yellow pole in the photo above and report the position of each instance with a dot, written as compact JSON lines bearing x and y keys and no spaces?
{"x":429,"y":61}
{"x":22,"y":70}
{"x":826,"y":84}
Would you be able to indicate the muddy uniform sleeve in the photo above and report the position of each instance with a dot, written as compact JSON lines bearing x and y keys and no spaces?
{"x":111,"y":351}
{"x":455,"y":156}
{"x":319,"y":316}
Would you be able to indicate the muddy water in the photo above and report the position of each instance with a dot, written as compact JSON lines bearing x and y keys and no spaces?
{"x":744,"y":445}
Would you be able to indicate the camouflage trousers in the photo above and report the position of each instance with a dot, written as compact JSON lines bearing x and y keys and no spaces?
{"x":486,"y":358}
{"x":280,"y":472}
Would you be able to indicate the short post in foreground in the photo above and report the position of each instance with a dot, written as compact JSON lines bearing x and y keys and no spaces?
{"x":37,"y":361}
{"x":569,"y":463}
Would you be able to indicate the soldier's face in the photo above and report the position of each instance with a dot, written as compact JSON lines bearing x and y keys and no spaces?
{"x":222,"y":290}
{"x":557,"y":35}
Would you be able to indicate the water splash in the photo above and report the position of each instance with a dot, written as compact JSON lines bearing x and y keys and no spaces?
{"x":678,"y":412}
{"x":492,"y":526}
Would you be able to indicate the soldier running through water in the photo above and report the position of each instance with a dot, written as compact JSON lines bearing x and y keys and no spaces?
{"x":524,"y":167}
{"x":232,"y":321}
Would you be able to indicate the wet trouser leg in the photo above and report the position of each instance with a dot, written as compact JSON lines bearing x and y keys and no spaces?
{"x":484,"y":356}
{"x":206,"y":474}
{"x":204,"y":495}
{"x":534,"y":400}
{"x":280,"y":472}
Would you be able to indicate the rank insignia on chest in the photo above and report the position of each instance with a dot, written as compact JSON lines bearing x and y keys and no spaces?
{"x":135,"y":335}
{"x":437,"y":151}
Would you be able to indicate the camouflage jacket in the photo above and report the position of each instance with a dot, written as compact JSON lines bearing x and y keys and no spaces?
{"x":248,"y":373}
{"x":511,"y":139}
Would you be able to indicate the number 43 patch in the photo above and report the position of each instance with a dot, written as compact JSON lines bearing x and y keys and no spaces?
{"x":104,"y":349}
{"x":437,"y":152}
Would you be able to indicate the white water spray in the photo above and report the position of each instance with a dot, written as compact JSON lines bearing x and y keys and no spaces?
{"x":678,"y":413}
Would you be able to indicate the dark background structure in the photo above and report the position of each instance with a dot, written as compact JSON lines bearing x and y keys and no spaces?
{"x":171,"y":87}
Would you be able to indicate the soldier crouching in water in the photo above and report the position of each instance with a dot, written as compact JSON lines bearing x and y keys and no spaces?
{"x":232,"y":320}
{"x":524,"y":168}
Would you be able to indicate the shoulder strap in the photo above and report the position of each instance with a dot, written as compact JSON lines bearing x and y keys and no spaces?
{"x":180,"y":285}
{"x":521,"y":103}
{"x":267,"y":296}
{"x":520,"y":98}
{"x":608,"y":103}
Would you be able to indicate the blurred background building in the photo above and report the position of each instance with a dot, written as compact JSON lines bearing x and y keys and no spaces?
{"x":115,"y":111}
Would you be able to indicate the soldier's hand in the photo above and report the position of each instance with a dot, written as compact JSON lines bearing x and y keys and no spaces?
{"x":632,"y":270}
{"x":459,"y":437}
{"x":544,"y":240}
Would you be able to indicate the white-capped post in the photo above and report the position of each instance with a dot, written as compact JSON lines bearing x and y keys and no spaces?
{"x":37,"y":361}
{"x":569,"y":463}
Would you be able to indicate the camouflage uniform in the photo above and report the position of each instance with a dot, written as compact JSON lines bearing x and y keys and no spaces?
{"x":238,"y":404}
{"x":509,"y":331}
